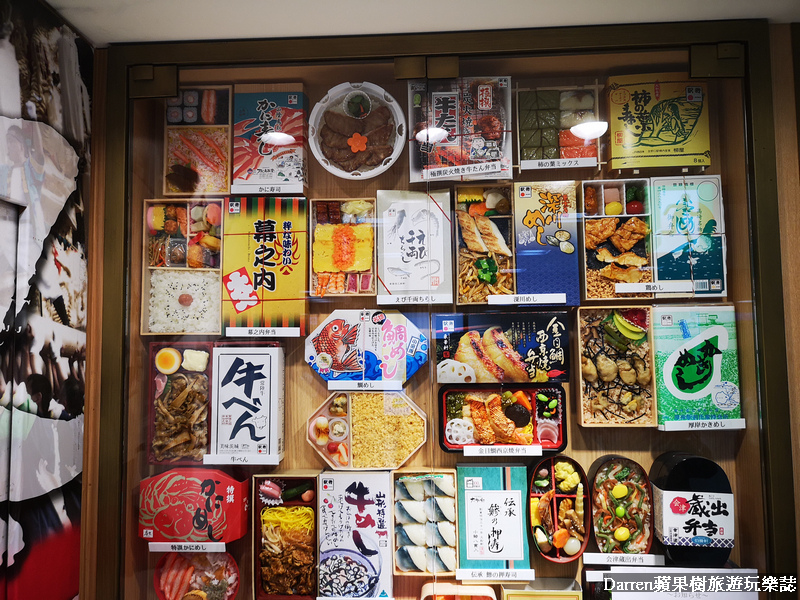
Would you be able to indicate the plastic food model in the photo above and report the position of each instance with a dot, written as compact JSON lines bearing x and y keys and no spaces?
{"x":558,"y":509}
{"x":196,"y":576}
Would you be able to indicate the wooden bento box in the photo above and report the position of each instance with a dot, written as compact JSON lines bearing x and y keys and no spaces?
{"x":617,"y":376}
{"x":181,"y":267}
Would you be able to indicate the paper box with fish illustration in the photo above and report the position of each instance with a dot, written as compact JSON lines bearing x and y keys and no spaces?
{"x":247,"y":425}
{"x":366,"y":349}
{"x":460,"y":129}
{"x":192,"y":505}
{"x":342,"y":247}
{"x":264,"y":267}
{"x":546,"y":227}
{"x":484,"y":245}
{"x":355,"y":529}
{"x":502,"y":347}
{"x":544,"y":121}
{"x":687,"y":265}
{"x":697,"y":367}
{"x":493,"y":522}
{"x":197,"y":141}
{"x":658,"y":120}
{"x":426,"y":518}
{"x":414,"y":247}
{"x":270,"y":135}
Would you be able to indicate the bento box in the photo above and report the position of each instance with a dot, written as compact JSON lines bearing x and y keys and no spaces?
{"x":547,"y":255}
{"x":426,"y":522}
{"x":270,"y":139}
{"x":179,"y":401}
{"x":543,"y":588}
{"x":181,"y":267}
{"x":366,"y":350}
{"x":355,"y":529}
{"x":530,"y":347}
{"x":544,"y":121}
{"x":414,"y":244}
{"x":444,"y":590}
{"x":484,"y":243}
{"x":264,"y":267}
{"x":207,"y":574}
{"x":622,"y":506}
{"x":285,"y":535}
{"x":617,"y":380}
{"x":342,"y":247}
{"x":617,"y":241}
{"x":367,"y":430}
{"x":197,"y":142}
{"x":560,"y":509}
{"x":514,"y":418}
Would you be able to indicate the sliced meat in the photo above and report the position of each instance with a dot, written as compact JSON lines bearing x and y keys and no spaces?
{"x":376,"y":155}
{"x":377,"y":118}
{"x":380,"y":135}
{"x":330,"y":138}
{"x":342,"y":124}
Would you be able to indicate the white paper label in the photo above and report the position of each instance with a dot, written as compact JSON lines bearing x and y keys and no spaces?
{"x":675,"y":287}
{"x":415,"y":298}
{"x":714,"y":425}
{"x":558,"y":163}
{"x":240,"y":459}
{"x":186,"y":547}
{"x":477,"y":450}
{"x":383,"y":385}
{"x":699,"y":519}
{"x":505,"y":299}
{"x":494,"y":520}
{"x":262,"y":332}
{"x":495,"y":574}
{"x":603,"y":558}
{"x":483,"y":168}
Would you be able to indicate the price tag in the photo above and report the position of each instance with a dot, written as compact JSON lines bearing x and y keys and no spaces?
{"x":262,"y":332}
{"x":495,"y":574}
{"x":477,"y":450}
{"x":186,"y":546}
{"x":711,"y":425}
{"x":683,"y":287}
{"x":349,"y":386}
{"x":602,"y":558}
{"x":503,"y":299}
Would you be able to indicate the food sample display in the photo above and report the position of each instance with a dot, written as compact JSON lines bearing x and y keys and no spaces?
{"x":616,"y":238}
{"x":514,"y":414}
{"x":544,"y":119}
{"x":270,"y":139}
{"x":264,"y":267}
{"x":546,"y":226}
{"x":247,"y":424}
{"x":530,"y":347}
{"x":697,"y":367}
{"x":658,"y":120}
{"x":484,"y":244}
{"x":366,"y":345}
{"x":559,"y":511}
{"x":357,"y":130}
{"x":196,"y":576}
{"x":689,"y":233}
{"x":460,"y":129}
{"x":425,"y":514}
{"x":489,"y":538}
{"x":445,"y":590}
{"x":616,"y":359}
{"x":342,"y":247}
{"x":367,"y":430}
{"x":284,"y":536}
{"x":414,"y":247}
{"x":179,"y":401}
{"x":192,"y":504}
{"x":355,"y":528}
{"x":622,"y":506}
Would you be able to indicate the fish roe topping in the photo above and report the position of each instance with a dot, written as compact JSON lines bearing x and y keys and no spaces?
{"x":344,"y":244}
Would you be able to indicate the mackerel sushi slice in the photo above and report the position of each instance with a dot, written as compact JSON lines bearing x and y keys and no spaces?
{"x":442,"y":533}
{"x":410,"y":558}
{"x":440,"y":485}
{"x":410,"y":511}
{"x":410,"y":489}
{"x":412,"y":534}
{"x":440,"y":509}
{"x":441,"y":560}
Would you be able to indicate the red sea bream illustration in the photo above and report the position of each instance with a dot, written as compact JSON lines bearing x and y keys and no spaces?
{"x":336,"y":340}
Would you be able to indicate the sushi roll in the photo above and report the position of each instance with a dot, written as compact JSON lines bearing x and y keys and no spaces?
{"x":440,"y":509}
{"x":175,"y":100}
{"x":174,"y":114}
{"x":191,"y":98}
{"x":442,"y":533}
{"x":411,"y":558}
{"x":441,"y":560}
{"x":410,"y":489}
{"x":190,"y":114}
{"x":410,"y":511}
{"x":440,"y":485}
{"x":412,"y":534}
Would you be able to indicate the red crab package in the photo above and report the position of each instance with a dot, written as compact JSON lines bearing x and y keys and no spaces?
{"x":192,"y":505}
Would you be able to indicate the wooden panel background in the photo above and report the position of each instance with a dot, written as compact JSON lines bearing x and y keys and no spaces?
{"x":737,"y":452}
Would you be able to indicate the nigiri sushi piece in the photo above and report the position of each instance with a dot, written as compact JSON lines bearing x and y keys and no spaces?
{"x":440,"y":485}
{"x":441,"y":560}
{"x":411,"y":558}
{"x":412,"y":534}
{"x":442,"y":533}
{"x":410,"y":489}
{"x":410,"y":511}
{"x":440,"y":509}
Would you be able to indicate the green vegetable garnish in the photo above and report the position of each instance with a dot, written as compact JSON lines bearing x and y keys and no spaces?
{"x":455,"y":405}
{"x":487,"y":270}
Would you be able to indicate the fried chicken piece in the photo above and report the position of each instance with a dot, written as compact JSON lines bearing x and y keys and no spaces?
{"x":626,"y":259}
{"x":626,"y":237}
{"x":599,"y":230}
{"x":624,"y":274}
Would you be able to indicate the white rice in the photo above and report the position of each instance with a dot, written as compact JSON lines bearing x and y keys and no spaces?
{"x":167,"y":315}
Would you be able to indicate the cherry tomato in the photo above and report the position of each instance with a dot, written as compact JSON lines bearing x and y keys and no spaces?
{"x":634,"y":208}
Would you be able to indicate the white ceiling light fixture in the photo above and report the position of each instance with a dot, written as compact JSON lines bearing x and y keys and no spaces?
{"x":277,"y":138}
{"x":590,"y":130}
{"x":433,"y":135}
